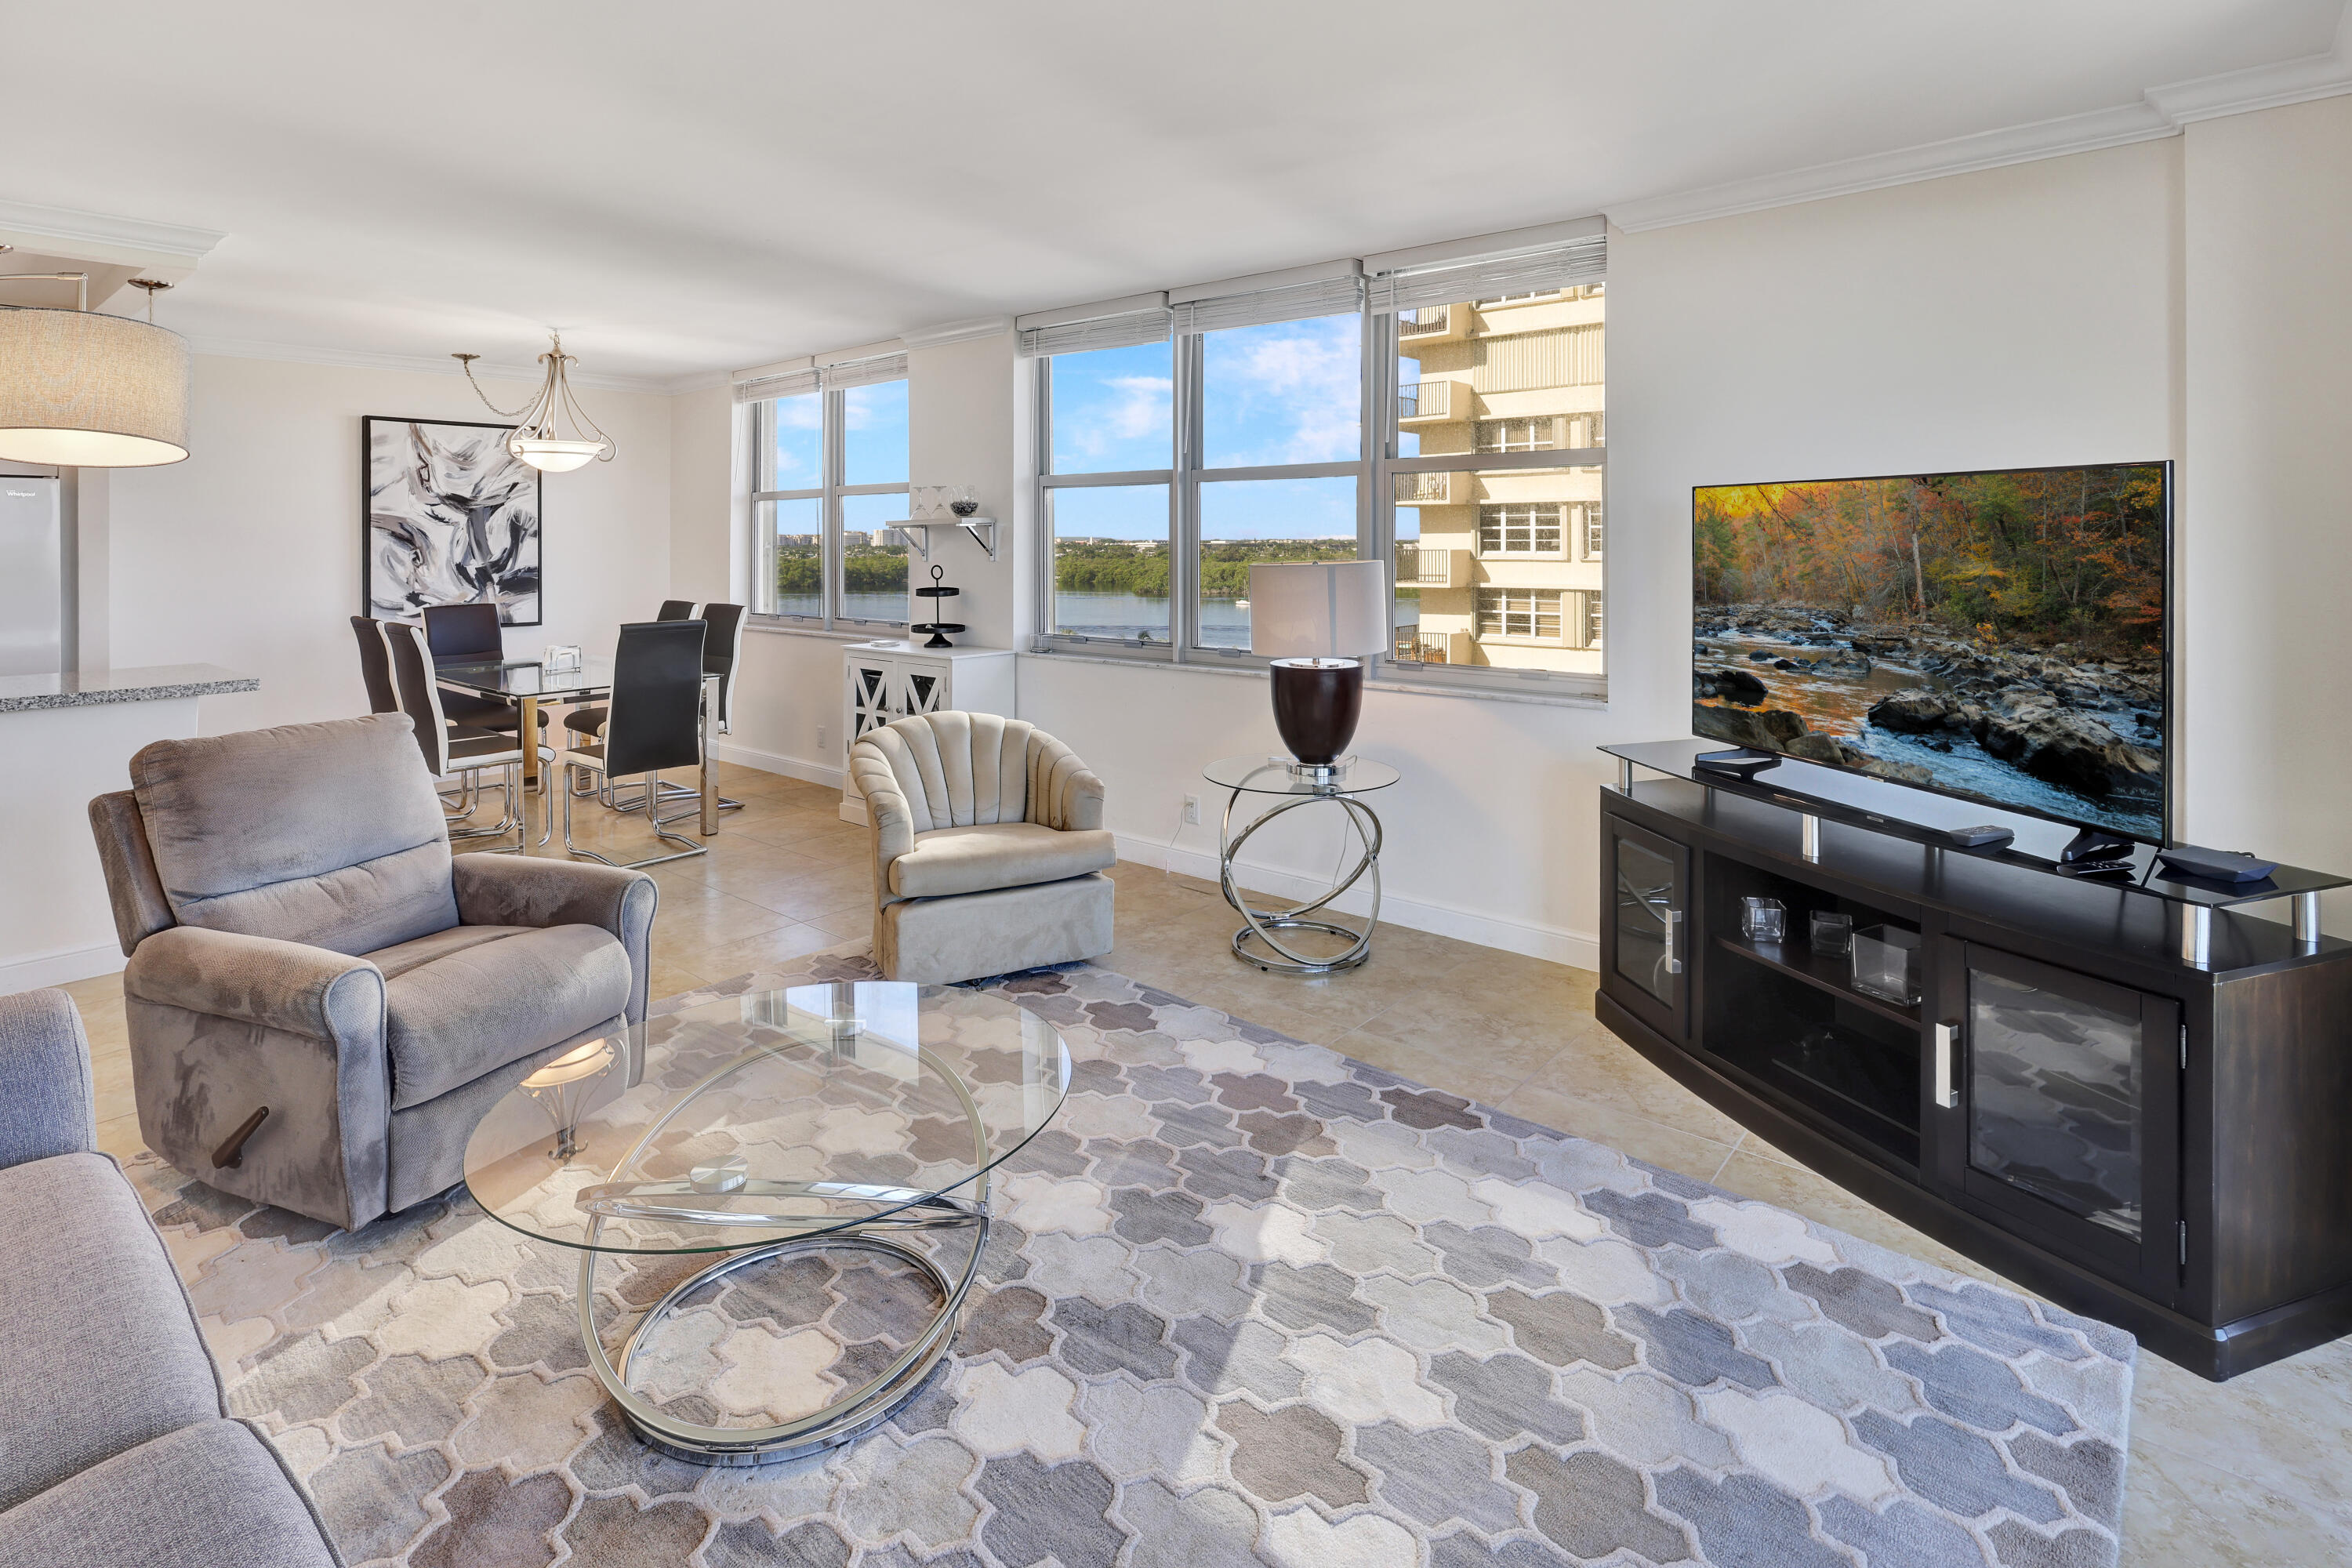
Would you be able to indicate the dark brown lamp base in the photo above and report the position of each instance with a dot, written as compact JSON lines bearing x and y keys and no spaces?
{"x":1315,"y":705}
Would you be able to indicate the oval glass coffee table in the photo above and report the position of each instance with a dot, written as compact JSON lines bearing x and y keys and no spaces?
{"x":852,"y":1115}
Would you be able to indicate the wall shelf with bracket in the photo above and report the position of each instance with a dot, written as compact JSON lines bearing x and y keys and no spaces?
{"x":917,"y":531}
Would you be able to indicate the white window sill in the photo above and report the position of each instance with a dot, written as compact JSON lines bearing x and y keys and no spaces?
{"x":778,"y":626}
{"x":1413,"y":684}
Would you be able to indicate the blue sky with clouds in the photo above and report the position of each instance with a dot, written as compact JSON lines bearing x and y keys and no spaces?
{"x":1288,"y":393}
{"x":872,"y":435}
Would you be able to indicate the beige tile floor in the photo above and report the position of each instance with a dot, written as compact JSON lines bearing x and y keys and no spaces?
{"x":2256,"y":1471}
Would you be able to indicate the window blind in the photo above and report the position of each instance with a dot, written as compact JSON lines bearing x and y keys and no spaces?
{"x":865,"y":371}
{"x":1127,"y":330}
{"x":1297,"y":302}
{"x":1581,"y":261}
{"x":793,"y":384}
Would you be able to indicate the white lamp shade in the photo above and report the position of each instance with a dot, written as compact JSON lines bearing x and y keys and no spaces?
{"x":1319,"y":609}
{"x":555,"y":456}
{"x":87,"y":391}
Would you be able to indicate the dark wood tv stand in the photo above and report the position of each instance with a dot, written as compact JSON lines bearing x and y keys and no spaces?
{"x":2132,"y":1104}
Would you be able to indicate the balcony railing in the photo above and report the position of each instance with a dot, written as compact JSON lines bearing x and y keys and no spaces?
{"x":1416,"y":567}
{"x":1428,"y":319}
{"x":1426,"y":400}
{"x":1425,"y":648}
{"x":1425,"y":490}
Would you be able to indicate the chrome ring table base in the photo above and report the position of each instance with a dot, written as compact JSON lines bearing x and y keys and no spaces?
{"x":845,"y":1420}
{"x":863,"y":1407}
{"x":1260,"y":925}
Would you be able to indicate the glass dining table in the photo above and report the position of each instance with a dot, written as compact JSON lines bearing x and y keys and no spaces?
{"x":527,"y":683}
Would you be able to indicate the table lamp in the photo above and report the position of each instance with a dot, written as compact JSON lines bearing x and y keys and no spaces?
{"x":1319,"y":620}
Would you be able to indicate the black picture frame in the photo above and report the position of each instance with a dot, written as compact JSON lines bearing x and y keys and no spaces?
{"x":458,"y":546}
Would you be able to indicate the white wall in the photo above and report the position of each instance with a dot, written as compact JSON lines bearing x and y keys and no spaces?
{"x":248,"y":555}
{"x":961,"y":412}
{"x":56,"y":921}
{"x":2173,"y":298}
{"x":2267,"y":563}
{"x":2009,"y":317}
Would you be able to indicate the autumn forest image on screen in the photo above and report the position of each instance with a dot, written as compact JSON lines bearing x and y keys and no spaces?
{"x":1998,"y":635}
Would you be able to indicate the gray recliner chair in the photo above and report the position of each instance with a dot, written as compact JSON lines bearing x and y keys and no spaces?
{"x":301,"y":940}
{"x":989,"y":848}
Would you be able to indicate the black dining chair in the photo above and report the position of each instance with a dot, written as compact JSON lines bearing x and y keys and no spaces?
{"x":590,"y":721}
{"x":375,"y":665}
{"x":470,"y":633}
{"x":464,"y":633}
{"x":722,"y":650}
{"x":375,"y":674}
{"x":452,"y":751}
{"x":655,"y":722}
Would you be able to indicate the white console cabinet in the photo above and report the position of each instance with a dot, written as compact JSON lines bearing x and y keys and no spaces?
{"x":894,"y":678}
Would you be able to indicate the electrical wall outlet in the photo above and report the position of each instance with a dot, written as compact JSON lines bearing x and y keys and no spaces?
{"x":1192,"y":810}
{"x":820,"y":737}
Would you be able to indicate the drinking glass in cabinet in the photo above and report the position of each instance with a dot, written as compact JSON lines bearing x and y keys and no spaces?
{"x":1763,"y":920}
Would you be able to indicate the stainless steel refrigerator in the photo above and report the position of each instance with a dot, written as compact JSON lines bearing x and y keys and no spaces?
{"x":32,"y":577}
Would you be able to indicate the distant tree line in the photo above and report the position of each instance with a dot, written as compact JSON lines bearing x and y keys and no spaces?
{"x":864,"y":571}
{"x":1098,"y":566}
{"x":2074,"y":554}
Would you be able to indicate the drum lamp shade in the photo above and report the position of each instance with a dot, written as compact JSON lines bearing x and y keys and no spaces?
{"x":82,"y":390}
{"x":1319,"y":609}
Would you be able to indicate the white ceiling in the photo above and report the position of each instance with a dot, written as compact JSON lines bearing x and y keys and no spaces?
{"x":689,"y":188}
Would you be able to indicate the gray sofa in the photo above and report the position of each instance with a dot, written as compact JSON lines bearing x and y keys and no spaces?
{"x":989,"y":848}
{"x":115,"y":1445}
{"x":301,"y":938}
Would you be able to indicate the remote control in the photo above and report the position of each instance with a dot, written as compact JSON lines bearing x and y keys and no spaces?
{"x":2098,"y":867}
{"x":1976,"y":837}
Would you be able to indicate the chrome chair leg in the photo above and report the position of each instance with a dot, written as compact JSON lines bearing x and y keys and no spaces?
{"x":653,"y":816}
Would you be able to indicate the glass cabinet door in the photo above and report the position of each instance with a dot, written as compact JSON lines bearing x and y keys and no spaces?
{"x":2068,"y":1090}
{"x":1646,"y":938}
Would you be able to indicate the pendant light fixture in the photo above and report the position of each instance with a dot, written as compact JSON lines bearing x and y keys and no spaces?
{"x":83,"y":390}
{"x":537,"y":437}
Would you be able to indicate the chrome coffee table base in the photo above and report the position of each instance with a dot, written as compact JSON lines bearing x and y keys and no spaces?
{"x":846,"y":1418}
{"x":1260,"y":925}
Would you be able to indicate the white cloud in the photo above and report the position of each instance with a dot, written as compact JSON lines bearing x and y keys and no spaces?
{"x":1292,"y":392}
{"x":1137,"y":407}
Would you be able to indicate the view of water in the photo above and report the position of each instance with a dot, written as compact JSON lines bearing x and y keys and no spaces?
{"x":863,"y":607}
{"x":1224,"y":622}
{"x":1839,"y":705}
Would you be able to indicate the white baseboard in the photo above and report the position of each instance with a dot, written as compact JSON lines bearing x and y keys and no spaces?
{"x":1581,"y":949}
{"x":59,"y":968}
{"x":770,"y":763}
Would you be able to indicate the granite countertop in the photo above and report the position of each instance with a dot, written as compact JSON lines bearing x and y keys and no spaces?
{"x":148,"y":683}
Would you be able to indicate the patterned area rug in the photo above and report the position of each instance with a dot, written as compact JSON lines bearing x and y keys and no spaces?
{"x":1248,"y":1301}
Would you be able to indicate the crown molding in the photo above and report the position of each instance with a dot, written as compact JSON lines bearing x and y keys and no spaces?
{"x":956,"y":331}
{"x":2161,"y":111}
{"x":423,"y":364}
{"x":99,"y":237}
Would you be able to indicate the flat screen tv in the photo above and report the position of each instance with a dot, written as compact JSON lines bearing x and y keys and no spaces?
{"x":1999,"y":635}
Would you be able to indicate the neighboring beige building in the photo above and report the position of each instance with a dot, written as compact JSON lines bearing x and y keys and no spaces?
{"x":1508,"y":563}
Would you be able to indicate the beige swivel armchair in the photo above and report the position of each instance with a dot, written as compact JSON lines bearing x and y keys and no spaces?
{"x":989,"y":848}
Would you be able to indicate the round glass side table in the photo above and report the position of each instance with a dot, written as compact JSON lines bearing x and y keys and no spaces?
{"x":1292,"y":784}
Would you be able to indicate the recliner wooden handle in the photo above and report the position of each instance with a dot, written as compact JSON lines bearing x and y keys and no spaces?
{"x":232,"y":1152}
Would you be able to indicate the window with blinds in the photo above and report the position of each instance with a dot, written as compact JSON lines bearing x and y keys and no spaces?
{"x":1509,"y":461}
{"x":1439,"y":408}
{"x":829,"y":477}
{"x":1509,"y":613}
{"x":1518,"y":529}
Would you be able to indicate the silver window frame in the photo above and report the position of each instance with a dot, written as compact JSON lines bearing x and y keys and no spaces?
{"x":833,"y":570}
{"x":1376,"y":472}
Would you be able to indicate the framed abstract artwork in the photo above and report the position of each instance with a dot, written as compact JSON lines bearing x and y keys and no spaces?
{"x":447,"y":517}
